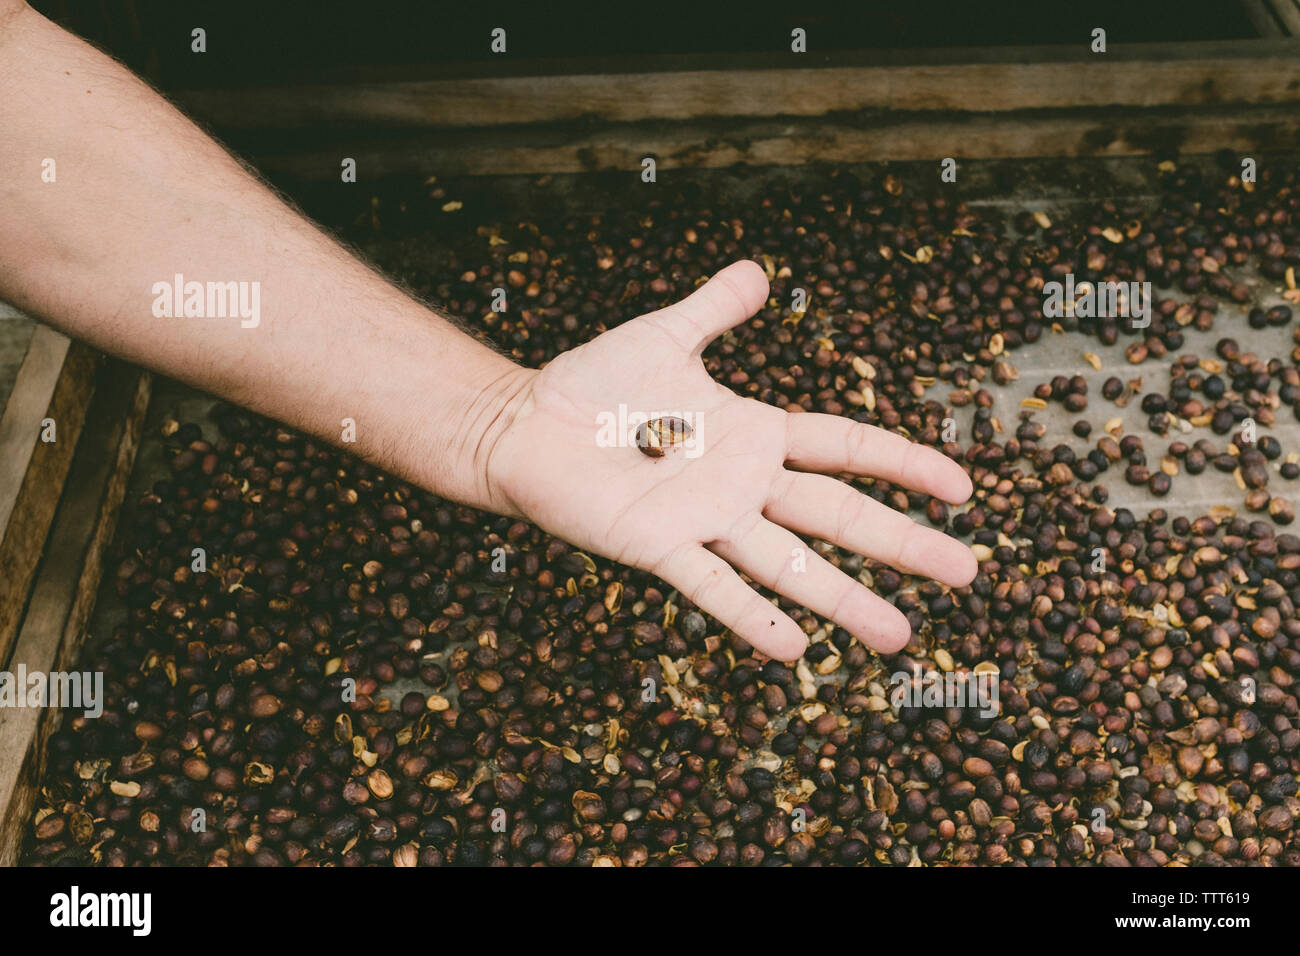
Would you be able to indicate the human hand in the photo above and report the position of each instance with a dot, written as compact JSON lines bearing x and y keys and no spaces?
{"x":761,"y":474}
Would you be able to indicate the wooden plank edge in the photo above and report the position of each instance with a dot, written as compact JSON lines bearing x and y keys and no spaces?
{"x":759,"y":93}
{"x":1288,"y":14}
{"x":38,"y":376}
{"x":56,"y":380}
{"x":1247,"y":48}
{"x":842,"y":140}
{"x":64,"y":593}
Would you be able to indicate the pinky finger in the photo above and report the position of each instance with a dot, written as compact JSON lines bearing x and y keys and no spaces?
{"x":715,"y":588}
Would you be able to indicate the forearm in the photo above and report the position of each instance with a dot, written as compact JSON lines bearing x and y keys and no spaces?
{"x":141,"y":195}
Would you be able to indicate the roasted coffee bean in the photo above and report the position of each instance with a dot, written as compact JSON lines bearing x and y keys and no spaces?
{"x":659,"y":435}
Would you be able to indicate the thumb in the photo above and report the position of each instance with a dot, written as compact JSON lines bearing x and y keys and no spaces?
{"x":729,"y":298}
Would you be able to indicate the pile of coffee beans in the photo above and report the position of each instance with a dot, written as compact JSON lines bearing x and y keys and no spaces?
{"x":358,"y":673}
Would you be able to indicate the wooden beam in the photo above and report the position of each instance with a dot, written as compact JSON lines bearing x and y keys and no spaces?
{"x":64,"y":593}
{"x":55,"y":381}
{"x":707,"y":145}
{"x":732,"y":62}
{"x":1258,"y":72}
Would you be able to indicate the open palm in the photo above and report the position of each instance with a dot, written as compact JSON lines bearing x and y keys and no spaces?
{"x":734,"y":499}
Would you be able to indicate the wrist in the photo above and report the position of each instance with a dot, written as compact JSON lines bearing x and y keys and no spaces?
{"x":447,"y":442}
{"x":493,"y":414}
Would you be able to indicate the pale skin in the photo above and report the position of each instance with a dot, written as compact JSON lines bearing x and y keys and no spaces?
{"x":141,"y":194}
